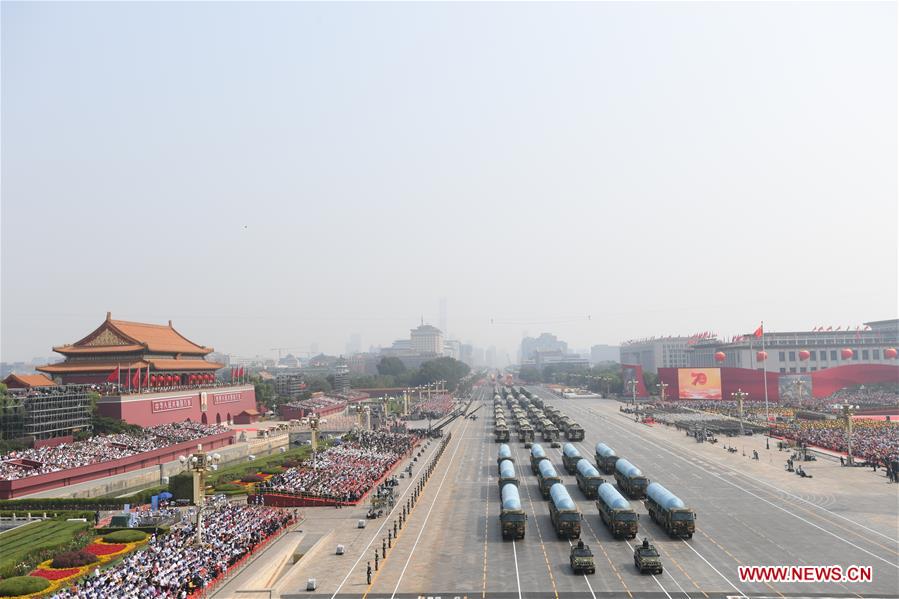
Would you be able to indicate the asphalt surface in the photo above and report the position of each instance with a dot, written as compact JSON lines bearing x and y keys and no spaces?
{"x":748,"y":514}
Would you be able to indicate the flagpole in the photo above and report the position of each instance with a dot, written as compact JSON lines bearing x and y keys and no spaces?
{"x":765,"y":376}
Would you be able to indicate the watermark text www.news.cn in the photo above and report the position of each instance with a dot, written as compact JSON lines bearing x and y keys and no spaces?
{"x":806,"y":574}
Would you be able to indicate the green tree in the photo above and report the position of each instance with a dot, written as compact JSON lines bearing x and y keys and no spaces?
{"x":441,"y":369}
{"x":391,"y":366}
{"x":265,"y":392}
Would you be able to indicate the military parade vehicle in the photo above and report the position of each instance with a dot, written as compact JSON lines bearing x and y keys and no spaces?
{"x":647,"y":559}
{"x":570,"y":457}
{"x":605,"y":458}
{"x":575,"y":432}
{"x":630,"y":480}
{"x":512,"y":518}
{"x":526,"y":434}
{"x":507,"y":475}
{"x":565,"y":516}
{"x":504,"y":453}
{"x":538,"y":454}
{"x":547,"y":477}
{"x":667,"y":510}
{"x":615,"y":512}
{"x":501,"y":432}
{"x":551,"y":435}
{"x":588,"y":479}
{"x":581,"y":559}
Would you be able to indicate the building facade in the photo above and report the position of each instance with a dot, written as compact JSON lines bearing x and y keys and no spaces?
{"x":546,"y":342}
{"x":427,"y":340}
{"x":125,"y":348}
{"x":657,"y":352}
{"x":798,"y":352}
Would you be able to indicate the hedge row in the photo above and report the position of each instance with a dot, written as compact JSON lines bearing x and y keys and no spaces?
{"x":81,"y":503}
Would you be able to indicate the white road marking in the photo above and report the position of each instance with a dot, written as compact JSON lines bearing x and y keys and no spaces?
{"x":773,"y":486}
{"x":428,"y":515}
{"x":771,"y":503}
{"x":377,"y":532}
{"x":517,"y":579}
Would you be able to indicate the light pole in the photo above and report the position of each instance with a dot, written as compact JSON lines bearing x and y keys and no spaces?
{"x":848,"y":410}
{"x":662,"y":387}
{"x":200,"y":463}
{"x":633,"y":385}
{"x":314,"y":421}
{"x":739,"y":395}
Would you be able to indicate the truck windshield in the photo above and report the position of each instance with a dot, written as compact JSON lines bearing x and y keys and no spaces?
{"x":626,"y":516}
{"x":514,"y":517}
{"x":571,"y":517}
{"x":682,"y":516}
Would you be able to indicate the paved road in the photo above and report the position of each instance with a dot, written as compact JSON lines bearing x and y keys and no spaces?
{"x":749,"y":513}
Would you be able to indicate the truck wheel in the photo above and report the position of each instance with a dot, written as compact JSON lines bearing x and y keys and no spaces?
{"x":690,"y":536}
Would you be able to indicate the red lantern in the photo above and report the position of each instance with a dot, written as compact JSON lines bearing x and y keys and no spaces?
{"x":169,"y":379}
{"x":804,"y":354}
{"x":152,"y":380}
{"x":192,"y":379}
{"x":889,"y":353}
{"x":720,"y":356}
{"x":761,"y":356}
{"x":846,"y":353}
{"x":209,"y":378}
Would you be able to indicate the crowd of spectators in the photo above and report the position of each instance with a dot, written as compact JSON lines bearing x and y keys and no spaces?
{"x":101,"y":448}
{"x":347,"y":471}
{"x":875,"y":441}
{"x":172,"y":567}
{"x":436,"y":407}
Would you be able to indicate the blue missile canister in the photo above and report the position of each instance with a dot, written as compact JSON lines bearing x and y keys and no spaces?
{"x":627,"y":469}
{"x":547,"y":470}
{"x":586,"y":469}
{"x":604,"y":451}
{"x":570,"y":450}
{"x":612,"y":498}
{"x":511,"y":499}
{"x":504,"y":452}
{"x":506,"y":469}
{"x":537,"y":451}
{"x":664,"y":497}
{"x":561,"y":499}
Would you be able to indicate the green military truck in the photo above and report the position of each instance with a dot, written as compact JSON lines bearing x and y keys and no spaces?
{"x":507,"y":475}
{"x":630,"y":479}
{"x":668,"y":511}
{"x":565,"y":516}
{"x":615,"y":512}
{"x":501,"y":433}
{"x":588,"y":479}
{"x":605,"y":458}
{"x":538,"y":454}
{"x":526,"y":434}
{"x":575,"y":432}
{"x":551,"y":434}
{"x":547,"y":477}
{"x":570,"y":457}
{"x":512,"y":519}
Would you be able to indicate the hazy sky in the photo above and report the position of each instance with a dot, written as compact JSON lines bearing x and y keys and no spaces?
{"x":281,"y":174}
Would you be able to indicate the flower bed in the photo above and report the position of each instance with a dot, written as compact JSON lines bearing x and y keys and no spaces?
{"x":101,"y":549}
{"x":58,"y":577}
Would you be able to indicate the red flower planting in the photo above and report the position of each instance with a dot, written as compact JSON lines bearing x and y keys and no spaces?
{"x":56,"y":574}
{"x":99,"y":549}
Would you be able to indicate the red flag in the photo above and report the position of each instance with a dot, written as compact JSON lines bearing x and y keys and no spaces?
{"x":146,"y":382}
{"x":114,"y":376}
{"x":136,"y":378}
{"x":758,"y":332}
{"x":240,"y":372}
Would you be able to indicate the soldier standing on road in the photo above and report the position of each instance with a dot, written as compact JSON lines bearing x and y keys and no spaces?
{"x":368,"y":572}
